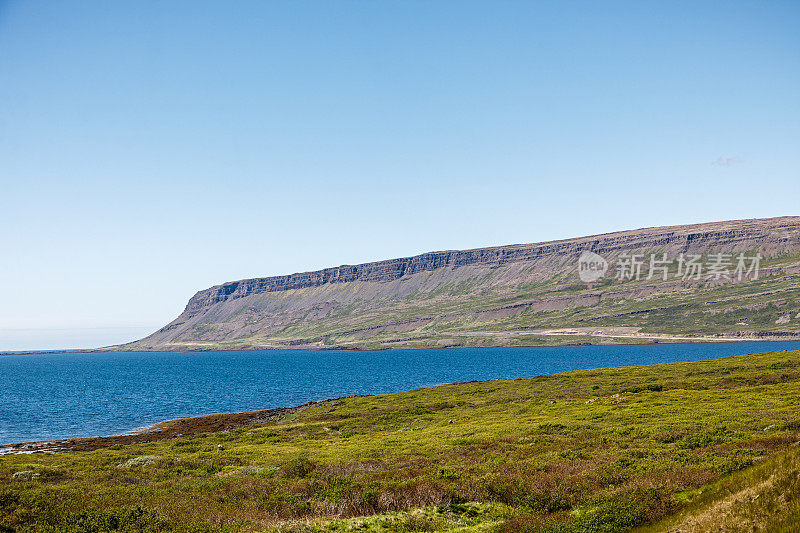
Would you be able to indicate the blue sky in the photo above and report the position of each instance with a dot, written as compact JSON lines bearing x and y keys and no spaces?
{"x":152,"y":149}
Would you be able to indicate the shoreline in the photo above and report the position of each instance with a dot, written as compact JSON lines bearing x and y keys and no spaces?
{"x":167,"y":429}
{"x":652,"y":339}
{"x":208,"y":423}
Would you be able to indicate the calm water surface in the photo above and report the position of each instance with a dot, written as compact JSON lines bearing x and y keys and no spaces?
{"x":49,"y":396}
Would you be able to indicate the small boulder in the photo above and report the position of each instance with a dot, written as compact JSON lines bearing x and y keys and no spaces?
{"x":142,"y":460}
{"x":25,"y":475}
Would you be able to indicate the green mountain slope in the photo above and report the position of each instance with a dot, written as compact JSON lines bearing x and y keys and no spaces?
{"x":518,"y":295}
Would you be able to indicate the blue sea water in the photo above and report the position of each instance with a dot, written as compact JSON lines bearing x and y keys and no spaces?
{"x":50,"y":396}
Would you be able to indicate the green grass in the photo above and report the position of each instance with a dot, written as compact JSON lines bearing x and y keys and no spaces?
{"x":595,"y":450}
{"x":765,"y":497}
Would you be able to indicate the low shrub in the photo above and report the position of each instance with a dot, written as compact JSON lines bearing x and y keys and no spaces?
{"x":300,"y":467}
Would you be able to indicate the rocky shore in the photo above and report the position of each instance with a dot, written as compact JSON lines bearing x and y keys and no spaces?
{"x":179,"y":427}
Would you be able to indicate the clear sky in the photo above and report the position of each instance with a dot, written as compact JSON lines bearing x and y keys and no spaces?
{"x":152,"y":149}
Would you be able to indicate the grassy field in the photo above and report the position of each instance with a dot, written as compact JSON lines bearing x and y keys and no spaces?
{"x":665,"y":447}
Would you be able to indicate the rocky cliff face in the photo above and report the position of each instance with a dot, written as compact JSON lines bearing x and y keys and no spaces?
{"x":395,"y":302}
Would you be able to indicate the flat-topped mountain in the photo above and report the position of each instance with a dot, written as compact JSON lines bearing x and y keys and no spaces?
{"x":735,"y":279}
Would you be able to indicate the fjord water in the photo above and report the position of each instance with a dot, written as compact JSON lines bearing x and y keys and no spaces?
{"x":50,"y":396}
